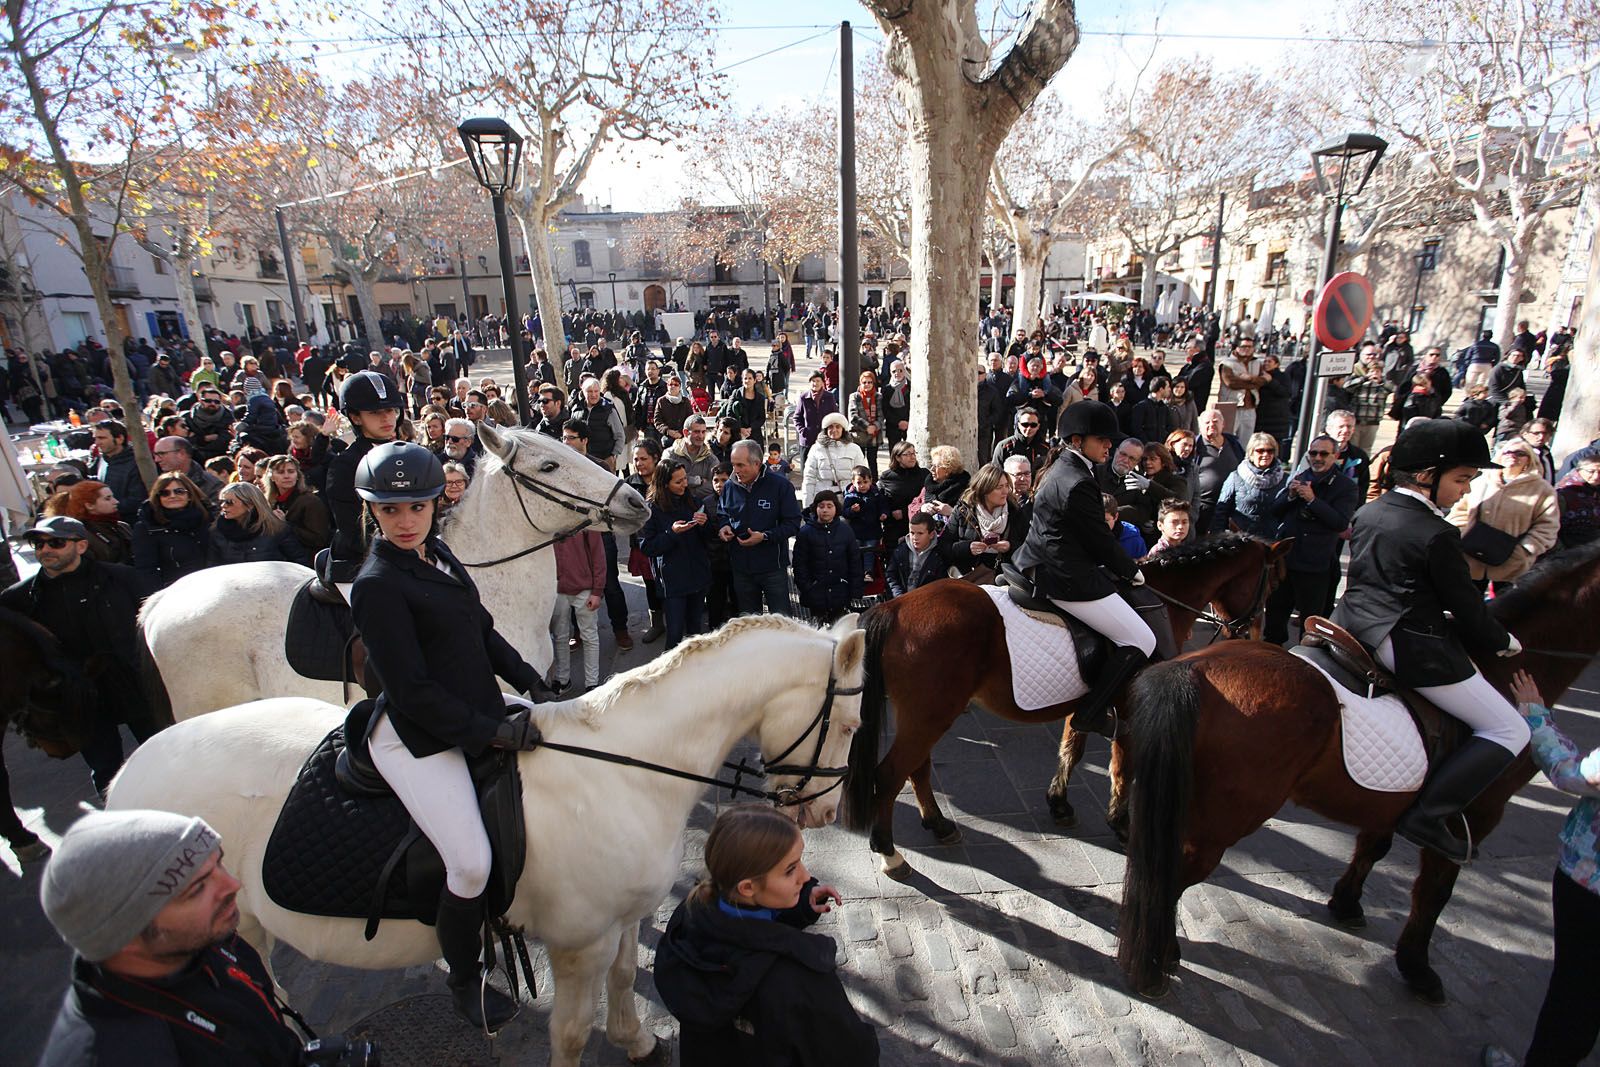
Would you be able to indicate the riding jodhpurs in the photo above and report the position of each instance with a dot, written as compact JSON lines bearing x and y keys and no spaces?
{"x":1114,"y":618}
{"x":437,"y":791}
{"x":1475,"y":702}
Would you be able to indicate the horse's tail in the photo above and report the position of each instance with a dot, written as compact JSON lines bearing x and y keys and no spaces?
{"x":861,"y":783}
{"x":1165,"y":706}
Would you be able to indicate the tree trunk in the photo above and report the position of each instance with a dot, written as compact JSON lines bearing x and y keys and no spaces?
{"x":361,"y":282}
{"x":1031,"y":254}
{"x":1580,"y":410}
{"x":1508,"y":310}
{"x":546,"y":292}
{"x":1149,"y":271}
{"x":96,"y":260}
{"x":997,"y":289}
{"x":948,"y":190}
{"x":188,"y":303}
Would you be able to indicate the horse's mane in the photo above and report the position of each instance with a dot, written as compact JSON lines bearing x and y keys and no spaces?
{"x":1532,"y":589}
{"x":601,"y":700}
{"x":46,"y":644}
{"x":1206,"y":550}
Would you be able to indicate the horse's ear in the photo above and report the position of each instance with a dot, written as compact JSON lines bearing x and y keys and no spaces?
{"x":849,"y":653}
{"x":493,"y":439}
{"x":1280,"y":549}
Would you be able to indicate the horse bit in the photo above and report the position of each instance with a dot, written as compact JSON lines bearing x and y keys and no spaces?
{"x":787,"y":797}
{"x":1235,"y":628}
{"x":594,"y":512}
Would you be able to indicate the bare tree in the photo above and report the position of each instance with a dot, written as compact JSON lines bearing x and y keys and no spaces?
{"x":1506,"y":80}
{"x":963,"y":90}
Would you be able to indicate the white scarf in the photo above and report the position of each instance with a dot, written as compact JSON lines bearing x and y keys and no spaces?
{"x":991,"y":523}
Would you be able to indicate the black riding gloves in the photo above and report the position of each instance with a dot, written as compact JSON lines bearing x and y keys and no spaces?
{"x":517,"y":731}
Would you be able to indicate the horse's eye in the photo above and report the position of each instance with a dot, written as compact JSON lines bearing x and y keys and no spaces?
{"x":547,"y":466}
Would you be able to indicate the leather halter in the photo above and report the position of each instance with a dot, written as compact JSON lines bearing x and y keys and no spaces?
{"x":594,"y":512}
{"x":787,"y":797}
{"x":1234,"y":628}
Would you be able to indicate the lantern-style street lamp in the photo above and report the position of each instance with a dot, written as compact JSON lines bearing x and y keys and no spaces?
{"x":495,"y":152}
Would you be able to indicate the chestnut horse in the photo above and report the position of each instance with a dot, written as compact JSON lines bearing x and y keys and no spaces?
{"x":1226,"y":735}
{"x":938,"y":648}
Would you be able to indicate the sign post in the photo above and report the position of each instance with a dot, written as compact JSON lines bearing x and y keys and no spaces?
{"x":1339,"y":320}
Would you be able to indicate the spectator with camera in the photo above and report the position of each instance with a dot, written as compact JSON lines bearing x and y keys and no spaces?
{"x":159,"y":974}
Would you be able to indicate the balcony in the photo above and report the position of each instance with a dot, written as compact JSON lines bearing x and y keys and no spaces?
{"x":267,"y":266}
{"x":122,"y":281}
{"x":202,"y":290}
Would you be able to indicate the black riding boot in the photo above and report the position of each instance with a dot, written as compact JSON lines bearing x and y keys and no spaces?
{"x":1122,"y":663}
{"x":459,"y":927}
{"x":1447,"y":792}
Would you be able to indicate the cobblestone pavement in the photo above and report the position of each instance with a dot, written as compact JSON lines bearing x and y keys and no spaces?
{"x":1000,"y":949}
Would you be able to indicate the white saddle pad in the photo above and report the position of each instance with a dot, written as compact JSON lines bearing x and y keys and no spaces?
{"x":1382,"y":749}
{"x":1044,"y":663}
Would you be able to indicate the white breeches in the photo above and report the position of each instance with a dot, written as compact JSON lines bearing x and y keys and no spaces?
{"x":437,"y":791}
{"x":1475,"y":702}
{"x":1114,"y":618}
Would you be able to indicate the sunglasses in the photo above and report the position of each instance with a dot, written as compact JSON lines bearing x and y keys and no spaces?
{"x":1319,"y":453}
{"x":49,"y":542}
{"x":173,"y":492}
{"x":1265,"y":451}
{"x":456,"y":439}
{"x":1028,"y":425}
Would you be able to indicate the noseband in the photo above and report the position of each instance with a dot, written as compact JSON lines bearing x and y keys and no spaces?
{"x":594,"y":512}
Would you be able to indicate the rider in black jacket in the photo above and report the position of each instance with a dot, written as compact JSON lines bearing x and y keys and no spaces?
{"x":371,"y":402}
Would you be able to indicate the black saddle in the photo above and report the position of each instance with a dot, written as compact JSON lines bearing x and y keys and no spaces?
{"x":345,"y":846}
{"x":1091,"y":646}
{"x":317,"y":641}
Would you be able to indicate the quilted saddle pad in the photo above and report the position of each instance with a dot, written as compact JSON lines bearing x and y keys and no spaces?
{"x":328,"y":848}
{"x":1044,"y":664}
{"x":1382,"y":749}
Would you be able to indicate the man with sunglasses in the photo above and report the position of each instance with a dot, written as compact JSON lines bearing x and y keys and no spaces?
{"x":210,"y":424}
{"x":1030,"y":441}
{"x":92,"y":608}
{"x":461,"y":444}
{"x":1314,"y":506}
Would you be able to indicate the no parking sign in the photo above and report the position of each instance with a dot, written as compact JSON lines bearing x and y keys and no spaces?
{"x":1344,"y":311}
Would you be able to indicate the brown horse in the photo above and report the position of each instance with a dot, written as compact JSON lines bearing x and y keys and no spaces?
{"x":1227,"y":735}
{"x":943,"y":646}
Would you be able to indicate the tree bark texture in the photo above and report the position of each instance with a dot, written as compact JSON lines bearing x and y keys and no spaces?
{"x":1580,"y":409}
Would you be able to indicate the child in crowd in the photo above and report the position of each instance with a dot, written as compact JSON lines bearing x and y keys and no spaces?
{"x":720,"y":605}
{"x":919,"y":559}
{"x":776,"y":464}
{"x":746,"y":984}
{"x":1127,"y":533}
{"x":866,"y":511}
{"x":1173,"y":522}
{"x":827,"y":561}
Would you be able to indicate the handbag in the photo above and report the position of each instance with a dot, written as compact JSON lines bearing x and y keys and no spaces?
{"x":1487,"y":544}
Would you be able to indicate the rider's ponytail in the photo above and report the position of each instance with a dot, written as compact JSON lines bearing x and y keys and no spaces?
{"x":746,"y":841}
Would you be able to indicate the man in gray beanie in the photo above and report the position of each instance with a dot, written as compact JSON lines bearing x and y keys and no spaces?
{"x":160,"y":976}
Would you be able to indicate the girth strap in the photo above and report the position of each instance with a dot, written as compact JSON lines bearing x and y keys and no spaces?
{"x":381,"y":890}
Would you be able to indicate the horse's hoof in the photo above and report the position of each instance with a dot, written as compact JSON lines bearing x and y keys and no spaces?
{"x":944,"y":831}
{"x":660,"y":1056}
{"x":1158,"y":989}
{"x":900,"y":873}
{"x":1425,"y":984}
{"x":1062,"y":812}
{"x":1349,"y":916}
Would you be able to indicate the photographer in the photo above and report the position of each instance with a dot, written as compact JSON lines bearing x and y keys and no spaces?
{"x":159,"y":975}
{"x":1314,"y":508}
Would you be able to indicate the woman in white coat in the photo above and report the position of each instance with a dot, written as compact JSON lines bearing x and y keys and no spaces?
{"x":1515,"y":500}
{"x":832,"y":461}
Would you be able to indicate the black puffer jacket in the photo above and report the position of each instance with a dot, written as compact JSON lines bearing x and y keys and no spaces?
{"x":232,"y":542}
{"x":166,"y":552}
{"x":262,"y":427}
{"x":753,"y":992}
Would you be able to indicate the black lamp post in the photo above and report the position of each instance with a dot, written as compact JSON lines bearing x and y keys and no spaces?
{"x":613,"y":276}
{"x":1426,"y":259}
{"x":1357,"y":152}
{"x":333,"y":301}
{"x":495,"y":151}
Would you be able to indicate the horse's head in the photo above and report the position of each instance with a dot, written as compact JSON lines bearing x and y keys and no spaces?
{"x":805,"y":735}
{"x":561,"y":490}
{"x":1261,"y":569}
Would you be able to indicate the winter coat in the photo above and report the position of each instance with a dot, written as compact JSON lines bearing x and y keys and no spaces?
{"x":233,"y":542}
{"x":580,"y":564}
{"x":1317,"y":524}
{"x":1249,"y":502}
{"x":165,"y":552}
{"x":1524,"y":506}
{"x":308,"y":517}
{"x":900,"y":486}
{"x":962,"y":530}
{"x":864,"y":512}
{"x":1272,"y":407}
{"x":827,"y":567}
{"x":767,"y":505}
{"x":699,"y":466}
{"x":829,"y":465}
{"x":682,"y":561}
{"x":262,"y":427}
{"x":121,"y":475}
{"x":898,"y":577}
{"x":758,"y":992}
{"x":1580,"y":510}
{"x":1069,"y":547}
{"x":110,"y":542}
{"x":209,"y":432}
{"x":809,"y":412}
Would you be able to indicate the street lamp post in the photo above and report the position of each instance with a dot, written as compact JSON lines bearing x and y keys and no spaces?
{"x":1356,"y":151}
{"x":613,"y":276}
{"x":333,"y":301}
{"x":1425,"y":261}
{"x":495,"y":151}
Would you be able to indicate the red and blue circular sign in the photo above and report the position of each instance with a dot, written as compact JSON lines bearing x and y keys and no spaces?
{"x":1344,"y":311}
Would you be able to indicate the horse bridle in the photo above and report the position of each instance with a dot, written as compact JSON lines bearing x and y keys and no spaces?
{"x":1235,"y":628}
{"x":594,"y":512}
{"x":789,"y":796}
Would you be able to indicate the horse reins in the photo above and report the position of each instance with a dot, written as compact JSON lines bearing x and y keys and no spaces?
{"x":787,"y":797}
{"x":1234,"y":628}
{"x":594,"y":512}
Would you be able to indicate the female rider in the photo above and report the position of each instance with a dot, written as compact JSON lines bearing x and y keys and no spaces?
{"x":372,"y":404}
{"x":1067,"y":546}
{"x":436,"y":654}
{"x":1406,"y":571}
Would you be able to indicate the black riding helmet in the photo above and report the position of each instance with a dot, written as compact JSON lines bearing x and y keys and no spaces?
{"x":1089,"y":418}
{"x":399,"y":473}
{"x":1440,"y":444}
{"x":368,"y":390}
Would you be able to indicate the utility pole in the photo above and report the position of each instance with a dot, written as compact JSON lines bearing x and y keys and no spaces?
{"x":1216,"y":254}
{"x":466,"y":293}
{"x":288,"y":274}
{"x":849,"y":226}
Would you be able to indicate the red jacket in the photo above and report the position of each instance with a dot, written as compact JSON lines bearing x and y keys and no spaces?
{"x":581,"y":564}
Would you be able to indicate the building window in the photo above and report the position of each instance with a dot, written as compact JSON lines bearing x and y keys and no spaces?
{"x":77,"y":325}
{"x":159,"y":264}
{"x":1249,"y":251}
{"x":268,"y":263}
{"x":1276,"y":264}
{"x":1430,"y":253}
{"x":275,"y":311}
{"x":586,"y":298}
{"x":1486,"y":316}
{"x":580,"y":253}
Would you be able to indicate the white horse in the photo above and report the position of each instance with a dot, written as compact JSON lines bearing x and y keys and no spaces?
{"x":217,"y":634}
{"x":604,"y":841}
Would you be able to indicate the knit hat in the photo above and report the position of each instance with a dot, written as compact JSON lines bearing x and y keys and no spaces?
{"x":114,"y":871}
